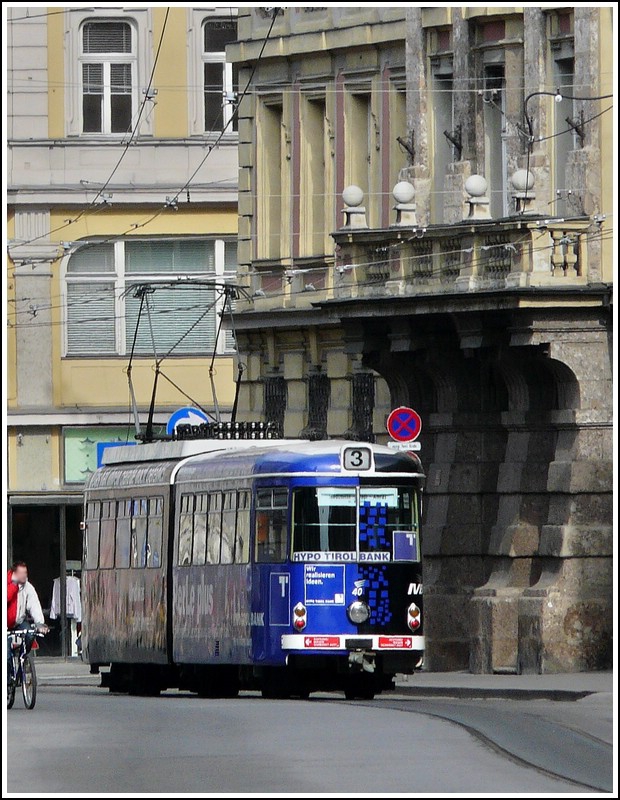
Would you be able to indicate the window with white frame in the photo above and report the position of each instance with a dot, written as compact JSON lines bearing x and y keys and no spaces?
{"x":102,"y":303}
{"x":108,"y":75}
{"x":220,"y":82}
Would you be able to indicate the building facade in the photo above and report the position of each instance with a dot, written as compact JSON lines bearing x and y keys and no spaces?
{"x":466,"y":271}
{"x":122,"y":207}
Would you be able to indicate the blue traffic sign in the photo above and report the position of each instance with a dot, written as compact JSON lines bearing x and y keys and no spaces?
{"x":186,"y":416}
{"x":404,"y":424}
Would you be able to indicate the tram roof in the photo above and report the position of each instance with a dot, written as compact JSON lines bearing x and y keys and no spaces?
{"x":268,"y":456}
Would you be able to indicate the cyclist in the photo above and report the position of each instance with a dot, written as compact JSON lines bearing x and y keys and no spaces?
{"x":22,"y":603}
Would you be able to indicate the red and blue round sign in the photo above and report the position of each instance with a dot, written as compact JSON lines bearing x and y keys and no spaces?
{"x":404,"y":424}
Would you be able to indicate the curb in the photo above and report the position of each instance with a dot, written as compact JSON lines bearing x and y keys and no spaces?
{"x":467,"y":693}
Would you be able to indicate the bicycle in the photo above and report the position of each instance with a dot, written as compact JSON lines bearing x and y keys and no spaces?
{"x":21,"y":670}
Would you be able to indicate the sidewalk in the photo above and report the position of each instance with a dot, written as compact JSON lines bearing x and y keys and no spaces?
{"x":562,"y":686}
{"x":559,"y":686}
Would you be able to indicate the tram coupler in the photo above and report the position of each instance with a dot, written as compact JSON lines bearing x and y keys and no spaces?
{"x":362,"y":661}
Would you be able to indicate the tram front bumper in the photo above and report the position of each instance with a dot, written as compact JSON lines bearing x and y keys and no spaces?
{"x":345,"y":642}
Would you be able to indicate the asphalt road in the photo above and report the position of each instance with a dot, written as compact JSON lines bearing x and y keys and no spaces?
{"x":85,"y":740}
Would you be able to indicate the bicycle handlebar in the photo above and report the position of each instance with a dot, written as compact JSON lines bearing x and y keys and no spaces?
{"x":22,"y":631}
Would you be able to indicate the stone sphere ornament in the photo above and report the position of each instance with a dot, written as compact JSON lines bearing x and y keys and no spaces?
{"x":476,"y":185}
{"x":353,"y":195}
{"x":522,"y":180}
{"x":403,"y":192}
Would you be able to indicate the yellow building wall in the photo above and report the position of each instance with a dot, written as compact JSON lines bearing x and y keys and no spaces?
{"x":11,"y":343}
{"x":56,"y":74}
{"x":170,"y":78}
{"x":101,"y":383}
{"x":119,"y":221}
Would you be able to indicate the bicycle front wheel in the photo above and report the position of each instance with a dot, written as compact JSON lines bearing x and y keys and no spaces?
{"x":29,"y":682}
{"x":10,"y":690}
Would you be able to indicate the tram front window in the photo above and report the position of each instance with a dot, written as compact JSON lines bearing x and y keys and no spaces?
{"x":384,"y":511}
{"x":324,"y":519}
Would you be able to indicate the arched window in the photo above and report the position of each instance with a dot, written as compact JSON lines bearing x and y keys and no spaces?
{"x":101,"y":308}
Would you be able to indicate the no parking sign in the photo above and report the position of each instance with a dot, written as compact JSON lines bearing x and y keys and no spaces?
{"x":404,"y":424}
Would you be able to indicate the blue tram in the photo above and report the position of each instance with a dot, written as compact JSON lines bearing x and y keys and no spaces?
{"x":280,"y":565}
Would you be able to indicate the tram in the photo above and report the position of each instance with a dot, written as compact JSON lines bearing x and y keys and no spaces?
{"x":284,"y":566}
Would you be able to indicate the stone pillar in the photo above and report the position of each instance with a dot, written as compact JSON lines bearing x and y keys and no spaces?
{"x":417,"y":112}
{"x":547,"y":604}
{"x":522,"y":509}
{"x":565,"y":618}
{"x":33,"y":265}
{"x":459,"y":171}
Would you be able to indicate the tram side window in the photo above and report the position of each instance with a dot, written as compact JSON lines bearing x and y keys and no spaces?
{"x":215,"y":528}
{"x":186,"y":530}
{"x":155,"y":528}
{"x":199,"y":550}
{"x":229,"y":513}
{"x":242,"y":540}
{"x":93,"y":512}
{"x":107,"y":535}
{"x":271,"y":511}
{"x":138,"y":532}
{"x":123,"y":533}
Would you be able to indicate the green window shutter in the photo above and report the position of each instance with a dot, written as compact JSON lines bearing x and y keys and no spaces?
{"x":91,"y":324}
{"x":173,"y":312}
{"x":175,"y":257}
{"x":92,"y":258}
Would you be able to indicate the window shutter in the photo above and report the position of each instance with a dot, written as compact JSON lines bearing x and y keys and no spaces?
{"x":107,"y":37}
{"x":91,"y":325}
{"x":92,"y":77}
{"x":120,"y":78}
{"x":173,"y":312}
{"x":230,"y":269}
{"x":92,"y":258}
{"x":175,"y":257}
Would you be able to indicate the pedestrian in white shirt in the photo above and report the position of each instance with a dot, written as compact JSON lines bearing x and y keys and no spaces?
{"x":28,"y":603}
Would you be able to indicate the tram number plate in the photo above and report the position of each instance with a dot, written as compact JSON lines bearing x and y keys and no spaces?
{"x":322,"y":642}
{"x":396,"y":642}
{"x":357,"y":459}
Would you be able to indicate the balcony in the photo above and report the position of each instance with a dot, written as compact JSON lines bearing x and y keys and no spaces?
{"x":477,"y":254}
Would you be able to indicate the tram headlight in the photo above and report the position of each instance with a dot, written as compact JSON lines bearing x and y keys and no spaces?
{"x":358,"y":612}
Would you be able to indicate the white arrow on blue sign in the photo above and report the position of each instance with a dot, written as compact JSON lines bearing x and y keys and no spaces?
{"x":186,"y":416}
